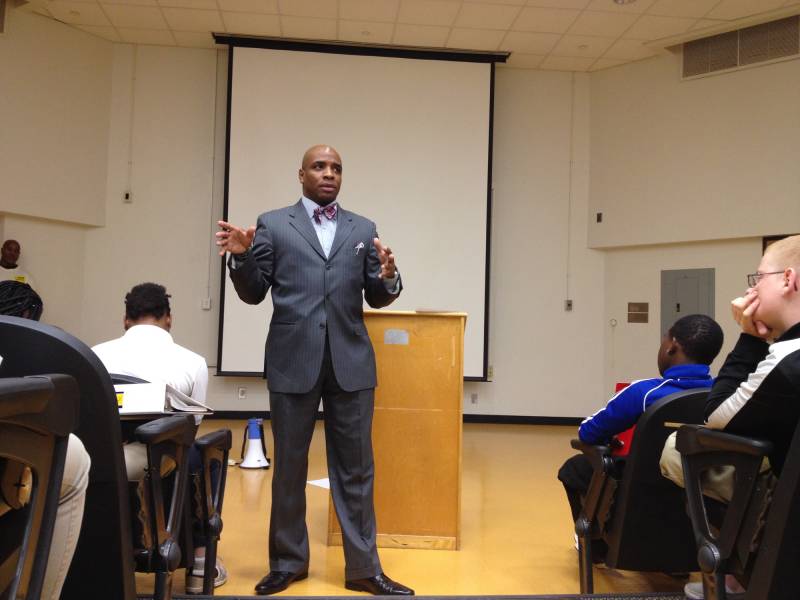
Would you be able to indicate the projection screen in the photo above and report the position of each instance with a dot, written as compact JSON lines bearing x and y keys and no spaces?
{"x":415,"y":139}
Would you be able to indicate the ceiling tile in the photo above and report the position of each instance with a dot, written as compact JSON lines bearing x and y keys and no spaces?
{"x":322,"y":9}
{"x":524,"y":61}
{"x":143,"y":17}
{"x":606,"y":63}
{"x":197,"y":4}
{"x":251,"y":24}
{"x":549,"y":20}
{"x":475,"y":39}
{"x":308,"y":28}
{"x":651,"y":27}
{"x":420,"y":35}
{"x":384,"y":11}
{"x":252,"y":6}
{"x":137,"y":2}
{"x":582,"y":45}
{"x":108,"y":33}
{"x":737,"y":9}
{"x":428,"y":12}
{"x":704,"y":23}
{"x":629,"y":50}
{"x":682,"y":8}
{"x":194,"y":39}
{"x":186,"y":19}
{"x":510,"y":2}
{"x":529,"y":43}
{"x":146,"y":36}
{"x":366,"y":32}
{"x":578,"y":4}
{"x":486,"y":16}
{"x":602,"y":23}
{"x":78,"y":13}
{"x":566,"y":63}
{"x":639,"y":6}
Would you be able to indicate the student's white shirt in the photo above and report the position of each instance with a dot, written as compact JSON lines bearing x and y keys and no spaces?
{"x":16,"y":274}
{"x":149,"y":352}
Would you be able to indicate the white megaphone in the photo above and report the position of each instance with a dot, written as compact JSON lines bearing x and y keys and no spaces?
{"x":254,"y":450}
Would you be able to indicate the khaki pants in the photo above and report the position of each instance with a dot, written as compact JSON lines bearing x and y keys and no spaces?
{"x":716,"y":482}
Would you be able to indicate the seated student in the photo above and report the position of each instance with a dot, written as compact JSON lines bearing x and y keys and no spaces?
{"x":757,"y":390}
{"x":147,"y":351}
{"x":9,"y":269}
{"x":19,"y":300}
{"x":686,"y":352}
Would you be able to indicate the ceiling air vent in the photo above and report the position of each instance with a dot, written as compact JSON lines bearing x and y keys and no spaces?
{"x":761,"y":43}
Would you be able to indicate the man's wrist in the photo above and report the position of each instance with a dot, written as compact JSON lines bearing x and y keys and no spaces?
{"x":243,"y":256}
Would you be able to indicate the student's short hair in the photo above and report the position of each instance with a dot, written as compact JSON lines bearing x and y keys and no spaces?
{"x":700,"y":336}
{"x":18,"y":299}
{"x":785,"y":252}
{"x":147,"y":300}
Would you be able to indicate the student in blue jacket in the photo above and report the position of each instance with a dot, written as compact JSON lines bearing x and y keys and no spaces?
{"x":686,"y":352}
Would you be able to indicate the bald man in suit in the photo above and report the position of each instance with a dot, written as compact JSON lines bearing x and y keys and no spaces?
{"x":320,"y":263}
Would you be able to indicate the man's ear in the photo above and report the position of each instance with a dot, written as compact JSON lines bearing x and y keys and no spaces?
{"x":126,"y":323}
{"x":300,"y":175}
{"x":674,"y":347}
{"x":790,"y":279}
{"x":169,"y":322}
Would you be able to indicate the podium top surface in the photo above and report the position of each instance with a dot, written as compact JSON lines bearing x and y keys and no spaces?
{"x":414,"y":313}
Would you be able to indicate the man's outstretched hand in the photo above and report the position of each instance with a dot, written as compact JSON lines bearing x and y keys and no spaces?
{"x":234,"y":239}
{"x":388,"y":269}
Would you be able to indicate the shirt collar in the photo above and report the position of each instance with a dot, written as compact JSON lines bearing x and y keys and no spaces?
{"x":151,"y":331}
{"x":690,"y":370}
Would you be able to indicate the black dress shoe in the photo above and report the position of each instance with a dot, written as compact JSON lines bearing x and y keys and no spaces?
{"x":277,"y":581}
{"x":380,"y":585}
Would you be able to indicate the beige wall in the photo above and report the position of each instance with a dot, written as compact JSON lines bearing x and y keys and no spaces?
{"x":634,"y":275}
{"x":54,"y":120}
{"x":553,"y":135}
{"x":710,"y":158}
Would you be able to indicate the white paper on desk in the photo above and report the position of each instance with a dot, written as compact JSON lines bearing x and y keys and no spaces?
{"x":323,"y":483}
{"x":150,"y":398}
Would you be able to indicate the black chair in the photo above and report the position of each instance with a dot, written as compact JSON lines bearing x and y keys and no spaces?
{"x":214,"y":449}
{"x":208,"y":491}
{"x":756,"y":536}
{"x":639,"y":514}
{"x":103,"y":565}
{"x":37,"y":415}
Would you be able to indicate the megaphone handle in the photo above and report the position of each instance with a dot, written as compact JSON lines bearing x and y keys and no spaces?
{"x":263,"y":444}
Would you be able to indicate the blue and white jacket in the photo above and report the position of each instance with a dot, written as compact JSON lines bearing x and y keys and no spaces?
{"x":625,"y":408}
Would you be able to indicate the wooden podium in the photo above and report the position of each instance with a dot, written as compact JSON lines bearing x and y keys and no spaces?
{"x":416,"y":431}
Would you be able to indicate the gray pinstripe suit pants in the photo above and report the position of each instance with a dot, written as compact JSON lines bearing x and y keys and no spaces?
{"x":351,"y":469}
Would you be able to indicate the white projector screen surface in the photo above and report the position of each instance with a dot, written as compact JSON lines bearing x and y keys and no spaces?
{"x":414,"y":139}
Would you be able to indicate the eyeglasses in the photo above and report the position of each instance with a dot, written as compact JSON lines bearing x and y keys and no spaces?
{"x":754,"y":278}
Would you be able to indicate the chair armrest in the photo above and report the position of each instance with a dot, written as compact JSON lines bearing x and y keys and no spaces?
{"x":180,"y":429}
{"x":216,"y":439}
{"x":598,"y":455}
{"x":697,"y":439}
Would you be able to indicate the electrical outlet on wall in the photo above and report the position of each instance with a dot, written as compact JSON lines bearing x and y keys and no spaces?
{"x":473,"y":398}
{"x":241,"y":393}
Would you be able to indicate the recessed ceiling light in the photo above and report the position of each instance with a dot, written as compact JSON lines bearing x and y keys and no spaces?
{"x":624,"y":1}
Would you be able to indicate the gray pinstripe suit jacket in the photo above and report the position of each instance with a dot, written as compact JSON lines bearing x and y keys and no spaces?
{"x":312,"y":294}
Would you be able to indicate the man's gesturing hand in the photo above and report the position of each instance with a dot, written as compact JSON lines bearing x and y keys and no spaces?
{"x":388,"y":270}
{"x":234,"y":239}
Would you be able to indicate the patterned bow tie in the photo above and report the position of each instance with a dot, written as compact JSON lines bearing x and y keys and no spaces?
{"x":329,"y":211}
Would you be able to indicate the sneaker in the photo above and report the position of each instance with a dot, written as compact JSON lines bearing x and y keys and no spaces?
{"x":694,"y":591}
{"x":194,"y":578}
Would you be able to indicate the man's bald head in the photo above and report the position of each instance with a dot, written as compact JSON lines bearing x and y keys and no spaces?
{"x":321,"y":174}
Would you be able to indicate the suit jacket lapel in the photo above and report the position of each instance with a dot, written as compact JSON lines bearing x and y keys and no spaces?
{"x":300,"y":221}
{"x":344,"y":226}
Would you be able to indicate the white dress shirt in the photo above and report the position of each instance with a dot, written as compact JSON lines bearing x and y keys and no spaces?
{"x":148,"y":352}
